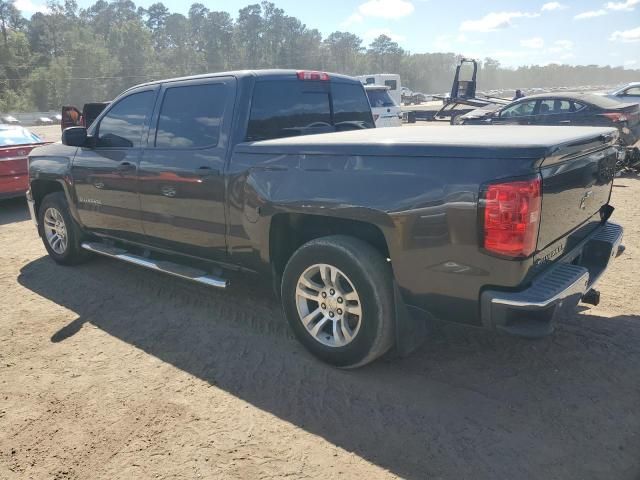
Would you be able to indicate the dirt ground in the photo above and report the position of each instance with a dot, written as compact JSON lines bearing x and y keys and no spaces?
{"x":111,"y":371}
{"x":50,"y":133}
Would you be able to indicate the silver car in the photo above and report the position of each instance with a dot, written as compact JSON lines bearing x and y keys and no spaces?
{"x":630,"y":93}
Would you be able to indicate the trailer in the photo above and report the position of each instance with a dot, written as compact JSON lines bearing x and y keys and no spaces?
{"x":462,"y":99}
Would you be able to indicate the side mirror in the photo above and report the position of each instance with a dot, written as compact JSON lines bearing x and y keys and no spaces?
{"x":74,"y":136}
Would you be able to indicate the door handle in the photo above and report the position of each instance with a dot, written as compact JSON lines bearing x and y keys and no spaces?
{"x":565,"y":121}
{"x":205,"y":170}
{"x":125,"y":166}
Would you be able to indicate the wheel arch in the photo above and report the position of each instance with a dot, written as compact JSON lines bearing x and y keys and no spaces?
{"x":288,"y":231}
{"x":40,"y":188}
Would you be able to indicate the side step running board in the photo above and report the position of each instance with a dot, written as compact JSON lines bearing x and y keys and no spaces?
{"x":171,"y":268}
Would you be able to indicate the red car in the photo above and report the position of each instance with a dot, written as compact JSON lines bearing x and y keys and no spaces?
{"x":15,"y":144}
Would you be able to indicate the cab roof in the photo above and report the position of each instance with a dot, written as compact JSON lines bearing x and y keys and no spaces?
{"x":275,"y":74}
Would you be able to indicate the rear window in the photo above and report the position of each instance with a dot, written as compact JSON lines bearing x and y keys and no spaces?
{"x":350,"y":106}
{"x":290,"y":108}
{"x":17,"y":136}
{"x":380,"y":98}
{"x":392,"y":84}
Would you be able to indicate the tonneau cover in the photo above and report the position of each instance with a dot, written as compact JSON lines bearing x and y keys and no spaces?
{"x":497,"y":141}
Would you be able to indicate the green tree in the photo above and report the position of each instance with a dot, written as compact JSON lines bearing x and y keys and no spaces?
{"x":385,"y":55}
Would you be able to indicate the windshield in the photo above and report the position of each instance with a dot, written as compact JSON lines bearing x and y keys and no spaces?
{"x":17,"y":136}
{"x":380,"y":98}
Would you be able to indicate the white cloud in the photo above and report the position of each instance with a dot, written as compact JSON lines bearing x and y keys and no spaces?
{"x":27,"y":6}
{"x":549,"y":6}
{"x":454,"y":43}
{"x":374,"y":33}
{"x":630,"y":63}
{"x":535,"y":42}
{"x":494,"y":21}
{"x":352,"y":19}
{"x":628,"y":5}
{"x":590,"y":14}
{"x":386,"y":8}
{"x":626,"y":36}
{"x":561,"y":46}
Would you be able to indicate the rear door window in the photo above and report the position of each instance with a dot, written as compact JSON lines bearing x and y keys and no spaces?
{"x":554,"y":107}
{"x":191,"y":115}
{"x":392,"y":84}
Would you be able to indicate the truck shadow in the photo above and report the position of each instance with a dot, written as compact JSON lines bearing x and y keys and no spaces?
{"x":467,"y":404}
{"x":13,"y":210}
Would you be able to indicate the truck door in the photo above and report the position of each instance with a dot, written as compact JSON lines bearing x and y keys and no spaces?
{"x":105,"y":174}
{"x":182,"y":188}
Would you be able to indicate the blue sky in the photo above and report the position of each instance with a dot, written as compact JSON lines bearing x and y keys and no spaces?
{"x":516,"y":32}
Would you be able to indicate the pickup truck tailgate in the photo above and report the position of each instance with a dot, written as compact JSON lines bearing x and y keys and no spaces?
{"x":576,"y":183}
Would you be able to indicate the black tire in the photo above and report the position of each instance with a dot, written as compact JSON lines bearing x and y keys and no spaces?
{"x":371,"y":277}
{"x":456,"y":119}
{"x":73,"y":253}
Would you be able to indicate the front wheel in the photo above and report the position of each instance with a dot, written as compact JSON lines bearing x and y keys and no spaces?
{"x":338,"y":298}
{"x":60,"y":234}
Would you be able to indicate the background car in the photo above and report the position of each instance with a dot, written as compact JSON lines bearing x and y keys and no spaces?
{"x":583,"y":109}
{"x":386,"y":112}
{"x":630,"y":93}
{"x":577,"y":109}
{"x":9,"y":120}
{"x":15,"y":144}
{"x":43,"y":121}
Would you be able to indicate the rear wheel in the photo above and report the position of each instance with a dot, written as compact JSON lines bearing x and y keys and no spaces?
{"x":338,"y":298}
{"x":457,"y":119}
{"x":60,"y":234}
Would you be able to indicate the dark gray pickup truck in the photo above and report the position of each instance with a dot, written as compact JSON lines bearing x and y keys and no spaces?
{"x":365,"y":233}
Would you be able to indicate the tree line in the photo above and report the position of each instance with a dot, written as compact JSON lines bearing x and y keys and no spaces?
{"x":71,"y":55}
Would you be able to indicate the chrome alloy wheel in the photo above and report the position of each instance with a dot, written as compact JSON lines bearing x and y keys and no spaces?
{"x":328,"y":305}
{"x":55,"y":230}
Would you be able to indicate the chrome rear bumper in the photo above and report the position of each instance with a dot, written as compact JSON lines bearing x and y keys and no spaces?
{"x":531,"y":312}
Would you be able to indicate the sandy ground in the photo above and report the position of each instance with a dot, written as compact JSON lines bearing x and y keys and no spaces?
{"x":110,"y":371}
{"x":50,"y":133}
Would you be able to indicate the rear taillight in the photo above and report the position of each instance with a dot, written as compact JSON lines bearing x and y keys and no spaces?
{"x":512,"y":217}
{"x":312,"y":75}
{"x":615,"y":117}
